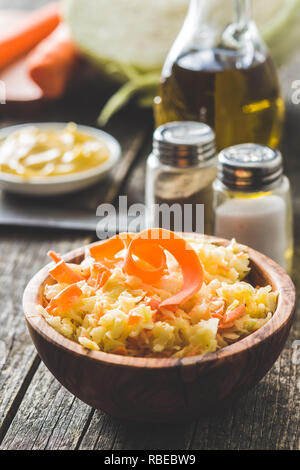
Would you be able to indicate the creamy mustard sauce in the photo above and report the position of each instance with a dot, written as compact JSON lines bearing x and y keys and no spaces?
{"x":33,"y":152}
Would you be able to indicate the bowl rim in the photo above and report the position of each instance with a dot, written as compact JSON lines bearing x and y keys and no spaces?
{"x":282,"y":315}
{"x":111,"y":143}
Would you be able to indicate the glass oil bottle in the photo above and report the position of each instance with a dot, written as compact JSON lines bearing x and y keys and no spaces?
{"x":219,"y":72}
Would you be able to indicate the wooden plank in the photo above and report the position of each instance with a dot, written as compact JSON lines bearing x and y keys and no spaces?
{"x":22,"y":254}
{"x":105,"y":433}
{"x":49,"y":417}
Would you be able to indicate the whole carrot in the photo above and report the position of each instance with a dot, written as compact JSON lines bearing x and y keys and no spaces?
{"x":33,"y":29}
{"x":51,"y":62}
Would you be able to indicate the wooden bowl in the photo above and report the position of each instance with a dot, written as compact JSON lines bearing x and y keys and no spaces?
{"x":161,"y":390}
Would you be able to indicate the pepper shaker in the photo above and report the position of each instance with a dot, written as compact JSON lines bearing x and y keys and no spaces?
{"x":252,"y":201}
{"x":179,"y":176}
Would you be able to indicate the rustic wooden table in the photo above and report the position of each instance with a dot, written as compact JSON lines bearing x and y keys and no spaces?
{"x":36,"y":412}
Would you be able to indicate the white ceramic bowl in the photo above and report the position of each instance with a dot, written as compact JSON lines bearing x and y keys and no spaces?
{"x":55,"y":185}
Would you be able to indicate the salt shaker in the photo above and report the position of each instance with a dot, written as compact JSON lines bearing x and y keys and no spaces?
{"x":252,"y":201}
{"x":179,"y":176}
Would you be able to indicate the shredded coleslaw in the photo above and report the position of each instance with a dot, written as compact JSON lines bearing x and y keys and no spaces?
{"x":109,"y":310}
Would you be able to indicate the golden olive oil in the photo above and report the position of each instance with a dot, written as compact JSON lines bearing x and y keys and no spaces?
{"x":241,"y":103}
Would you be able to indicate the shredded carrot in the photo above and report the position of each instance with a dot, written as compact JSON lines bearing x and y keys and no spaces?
{"x":156,"y":316}
{"x":225,"y":326}
{"x":234,"y":314}
{"x":62,"y":273}
{"x":65,"y":300}
{"x":168,"y":315}
{"x":100,"y":311}
{"x":33,"y":29}
{"x":153,"y":303}
{"x":101,"y":281}
{"x":99,"y":275}
{"x":225,"y":268}
{"x":54,"y":256}
{"x":108,"y":249}
{"x":193,"y":352}
{"x":150,"y":245}
{"x":219,"y":313}
{"x":230,"y":317}
{"x":121,"y":351}
{"x":149,"y":251}
{"x":134,"y":318}
{"x":50,"y":64}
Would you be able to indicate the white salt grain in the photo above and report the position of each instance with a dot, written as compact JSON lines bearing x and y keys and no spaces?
{"x":257,"y":222}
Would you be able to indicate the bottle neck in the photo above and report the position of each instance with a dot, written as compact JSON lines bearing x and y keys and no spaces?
{"x":233,"y":11}
{"x":227,"y":29}
{"x":242,"y":9}
{"x":228,"y":25}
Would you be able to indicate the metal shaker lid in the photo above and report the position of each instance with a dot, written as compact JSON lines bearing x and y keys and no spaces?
{"x":249,"y":167}
{"x":184,"y":143}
